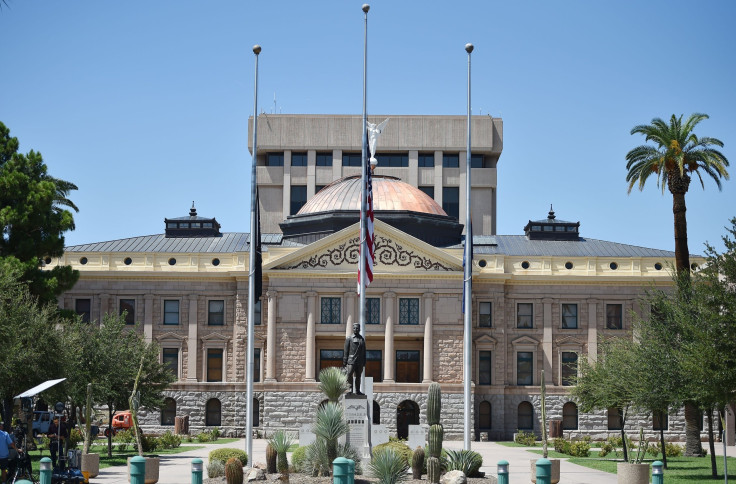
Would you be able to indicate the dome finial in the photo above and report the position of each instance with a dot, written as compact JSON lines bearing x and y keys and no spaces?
{"x":551,"y":214}
{"x":192,"y":211}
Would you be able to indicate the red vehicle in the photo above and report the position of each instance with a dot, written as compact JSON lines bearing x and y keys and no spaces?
{"x":120,"y":421}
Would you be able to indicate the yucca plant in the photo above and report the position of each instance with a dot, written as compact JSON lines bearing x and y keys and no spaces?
{"x":280,"y":442}
{"x":388,"y":467}
{"x":467,"y":461}
{"x":330,"y":426}
{"x":316,"y":462}
{"x":333,"y":383}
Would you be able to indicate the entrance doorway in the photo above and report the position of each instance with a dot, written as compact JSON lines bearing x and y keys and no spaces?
{"x":407,"y":413}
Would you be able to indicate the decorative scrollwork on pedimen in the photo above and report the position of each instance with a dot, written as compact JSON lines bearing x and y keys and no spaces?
{"x":387,"y":252}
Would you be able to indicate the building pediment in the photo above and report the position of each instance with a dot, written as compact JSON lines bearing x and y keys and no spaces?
{"x":396,"y":252}
{"x":215,"y":338}
{"x":525,"y":341}
{"x":569,"y":341}
{"x":485,"y":341}
{"x":170,"y":336}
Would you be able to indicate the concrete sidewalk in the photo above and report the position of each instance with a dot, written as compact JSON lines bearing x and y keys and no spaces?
{"x":176,"y":468}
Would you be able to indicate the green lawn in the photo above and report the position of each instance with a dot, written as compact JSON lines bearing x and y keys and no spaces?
{"x":680,"y":469}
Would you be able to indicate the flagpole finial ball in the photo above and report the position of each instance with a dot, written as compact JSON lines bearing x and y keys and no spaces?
{"x":366,"y":7}
{"x":256,"y":49}
{"x":469,"y":48}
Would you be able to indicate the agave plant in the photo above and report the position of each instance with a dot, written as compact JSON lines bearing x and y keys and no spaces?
{"x":388,"y":467}
{"x":467,"y":461}
{"x":333,"y":383}
{"x":281,"y":441}
{"x":330,"y":426}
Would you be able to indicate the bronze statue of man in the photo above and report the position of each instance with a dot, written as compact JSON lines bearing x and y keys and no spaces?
{"x":353,"y":358}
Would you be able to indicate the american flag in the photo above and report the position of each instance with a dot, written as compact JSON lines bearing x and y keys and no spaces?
{"x":367,"y":255}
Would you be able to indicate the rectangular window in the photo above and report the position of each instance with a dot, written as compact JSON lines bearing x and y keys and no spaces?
{"x":569,"y":316}
{"x":256,"y":365}
{"x":407,"y":366}
{"x":171,"y":360}
{"x":298,"y":198}
{"x":373,"y":310}
{"x":352,"y":159}
{"x":409,"y":311}
{"x":257,"y":313}
{"x":299,"y":159}
{"x":426,"y":160}
{"x":216,"y":312}
{"x":450,"y":160}
{"x":373,"y":365}
{"x":83,"y":307}
{"x":451,"y":201}
{"x":171,"y":311}
{"x":330,"y":310}
{"x":614,"y":316}
{"x":324,"y":159}
{"x":429,"y":190}
{"x":393,"y":160}
{"x":275,"y":159}
{"x":484,"y":368}
{"x":476,"y":161}
{"x":525,"y":315}
{"x":214,"y":364}
{"x":569,"y":367}
{"x":127,"y":307}
{"x":484,"y":315}
{"x":524,"y":368}
{"x":329,"y":358}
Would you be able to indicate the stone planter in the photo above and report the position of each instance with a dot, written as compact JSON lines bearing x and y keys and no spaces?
{"x":91,"y":464}
{"x":555,"y":470}
{"x":152,"y":464}
{"x":632,"y":473}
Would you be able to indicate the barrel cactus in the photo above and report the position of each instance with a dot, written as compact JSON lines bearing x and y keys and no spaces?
{"x":417,"y":463}
{"x":270,"y":459}
{"x":436,"y":433}
{"x":234,"y":471}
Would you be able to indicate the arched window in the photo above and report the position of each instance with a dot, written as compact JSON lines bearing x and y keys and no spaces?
{"x":376,"y":413}
{"x":569,"y":416}
{"x":407,"y":413}
{"x":213,"y":415}
{"x":256,"y":412}
{"x":484,"y":415}
{"x":525,"y":416}
{"x":168,"y":412}
{"x":614,"y":418}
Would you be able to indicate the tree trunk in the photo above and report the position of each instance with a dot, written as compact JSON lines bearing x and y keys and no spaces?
{"x":678,"y":188}
{"x":661,"y":440}
{"x":712,"y":445}
{"x":623,"y":435}
{"x":693,"y":447}
{"x":109,"y":434}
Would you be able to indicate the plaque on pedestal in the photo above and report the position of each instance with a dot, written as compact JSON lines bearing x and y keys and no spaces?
{"x":306,"y":436}
{"x":417,"y":436}
{"x":356,"y":415}
{"x":379,"y":434}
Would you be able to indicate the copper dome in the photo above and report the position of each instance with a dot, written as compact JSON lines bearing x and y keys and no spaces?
{"x":389,"y":194}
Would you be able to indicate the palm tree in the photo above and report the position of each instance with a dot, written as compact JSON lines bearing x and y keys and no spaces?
{"x":677,"y":155}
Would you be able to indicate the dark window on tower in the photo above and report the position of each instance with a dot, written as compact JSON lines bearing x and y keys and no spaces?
{"x":127,"y":307}
{"x":426,"y":160}
{"x":393,"y":160}
{"x":429,"y":190}
{"x":83,"y":307}
{"x":450,"y":160}
{"x":298,"y":198}
{"x":324,"y":159}
{"x":275,"y":159}
{"x":298,"y":159}
{"x":476,"y":161}
{"x":351,"y":159}
{"x":451,"y":201}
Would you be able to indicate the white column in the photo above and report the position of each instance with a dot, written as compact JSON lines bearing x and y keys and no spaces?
{"x":271,"y":338}
{"x":389,"y":358}
{"x":546,"y":343}
{"x":310,"y":357}
{"x":592,"y":330}
{"x":428,"y":342}
{"x":192,"y":341}
{"x":104,"y":307}
{"x":148,"y":317}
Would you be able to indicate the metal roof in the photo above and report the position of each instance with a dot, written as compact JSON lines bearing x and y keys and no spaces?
{"x":512,"y":245}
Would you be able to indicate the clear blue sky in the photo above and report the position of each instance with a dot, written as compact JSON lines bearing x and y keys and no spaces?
{"x":144,"y":105}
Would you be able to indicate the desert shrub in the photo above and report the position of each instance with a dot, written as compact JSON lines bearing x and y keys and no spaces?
{"x":169,"y":441}
{"x":204,"y":437}
{"x":215,"y":434}
{"x":388,"y":466}
{"x":673,"y":450}
{"x":399,"y":447}
{"x":467,"y":461}
{"x":215,"y":468}
{"x":149,"y":443}
{"x":579,"y":448}
{"x":561,"y":445}
{"x":606,"y":448}
{"x":525,"y":438}
{"x":225,"y":453}
{"x":316,"y":462}
{"x":298,"y":458}
{"x":75,"y":437}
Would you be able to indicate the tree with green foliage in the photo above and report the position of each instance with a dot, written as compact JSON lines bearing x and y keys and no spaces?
{"x":677,"y":154}
{"x":34,"y":216}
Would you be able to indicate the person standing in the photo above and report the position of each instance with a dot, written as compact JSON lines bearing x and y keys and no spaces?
{"x":57,"y":433}
{"x":6,"y":443}
{"x":353,"y":358}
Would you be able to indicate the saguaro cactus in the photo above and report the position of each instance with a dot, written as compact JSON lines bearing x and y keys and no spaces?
{"x":434,"y":449}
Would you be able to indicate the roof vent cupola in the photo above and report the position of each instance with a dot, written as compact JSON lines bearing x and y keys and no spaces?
{"x":192,"y":226}
{"x":552,"y":229}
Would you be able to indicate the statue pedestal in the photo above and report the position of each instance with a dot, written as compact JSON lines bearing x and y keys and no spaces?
{"x":356,"y":415}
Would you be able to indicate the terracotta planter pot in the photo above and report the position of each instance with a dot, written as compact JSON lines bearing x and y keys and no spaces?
{"x":152,"y":464}
{"x":632,"y":473}
{"x":555,"y":470}
{"x":91,"y":464}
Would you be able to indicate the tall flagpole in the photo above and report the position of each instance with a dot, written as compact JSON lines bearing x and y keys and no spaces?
{"x":251,"y":275}
{"x":363,"y":195}
{"x":468,"y":283}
